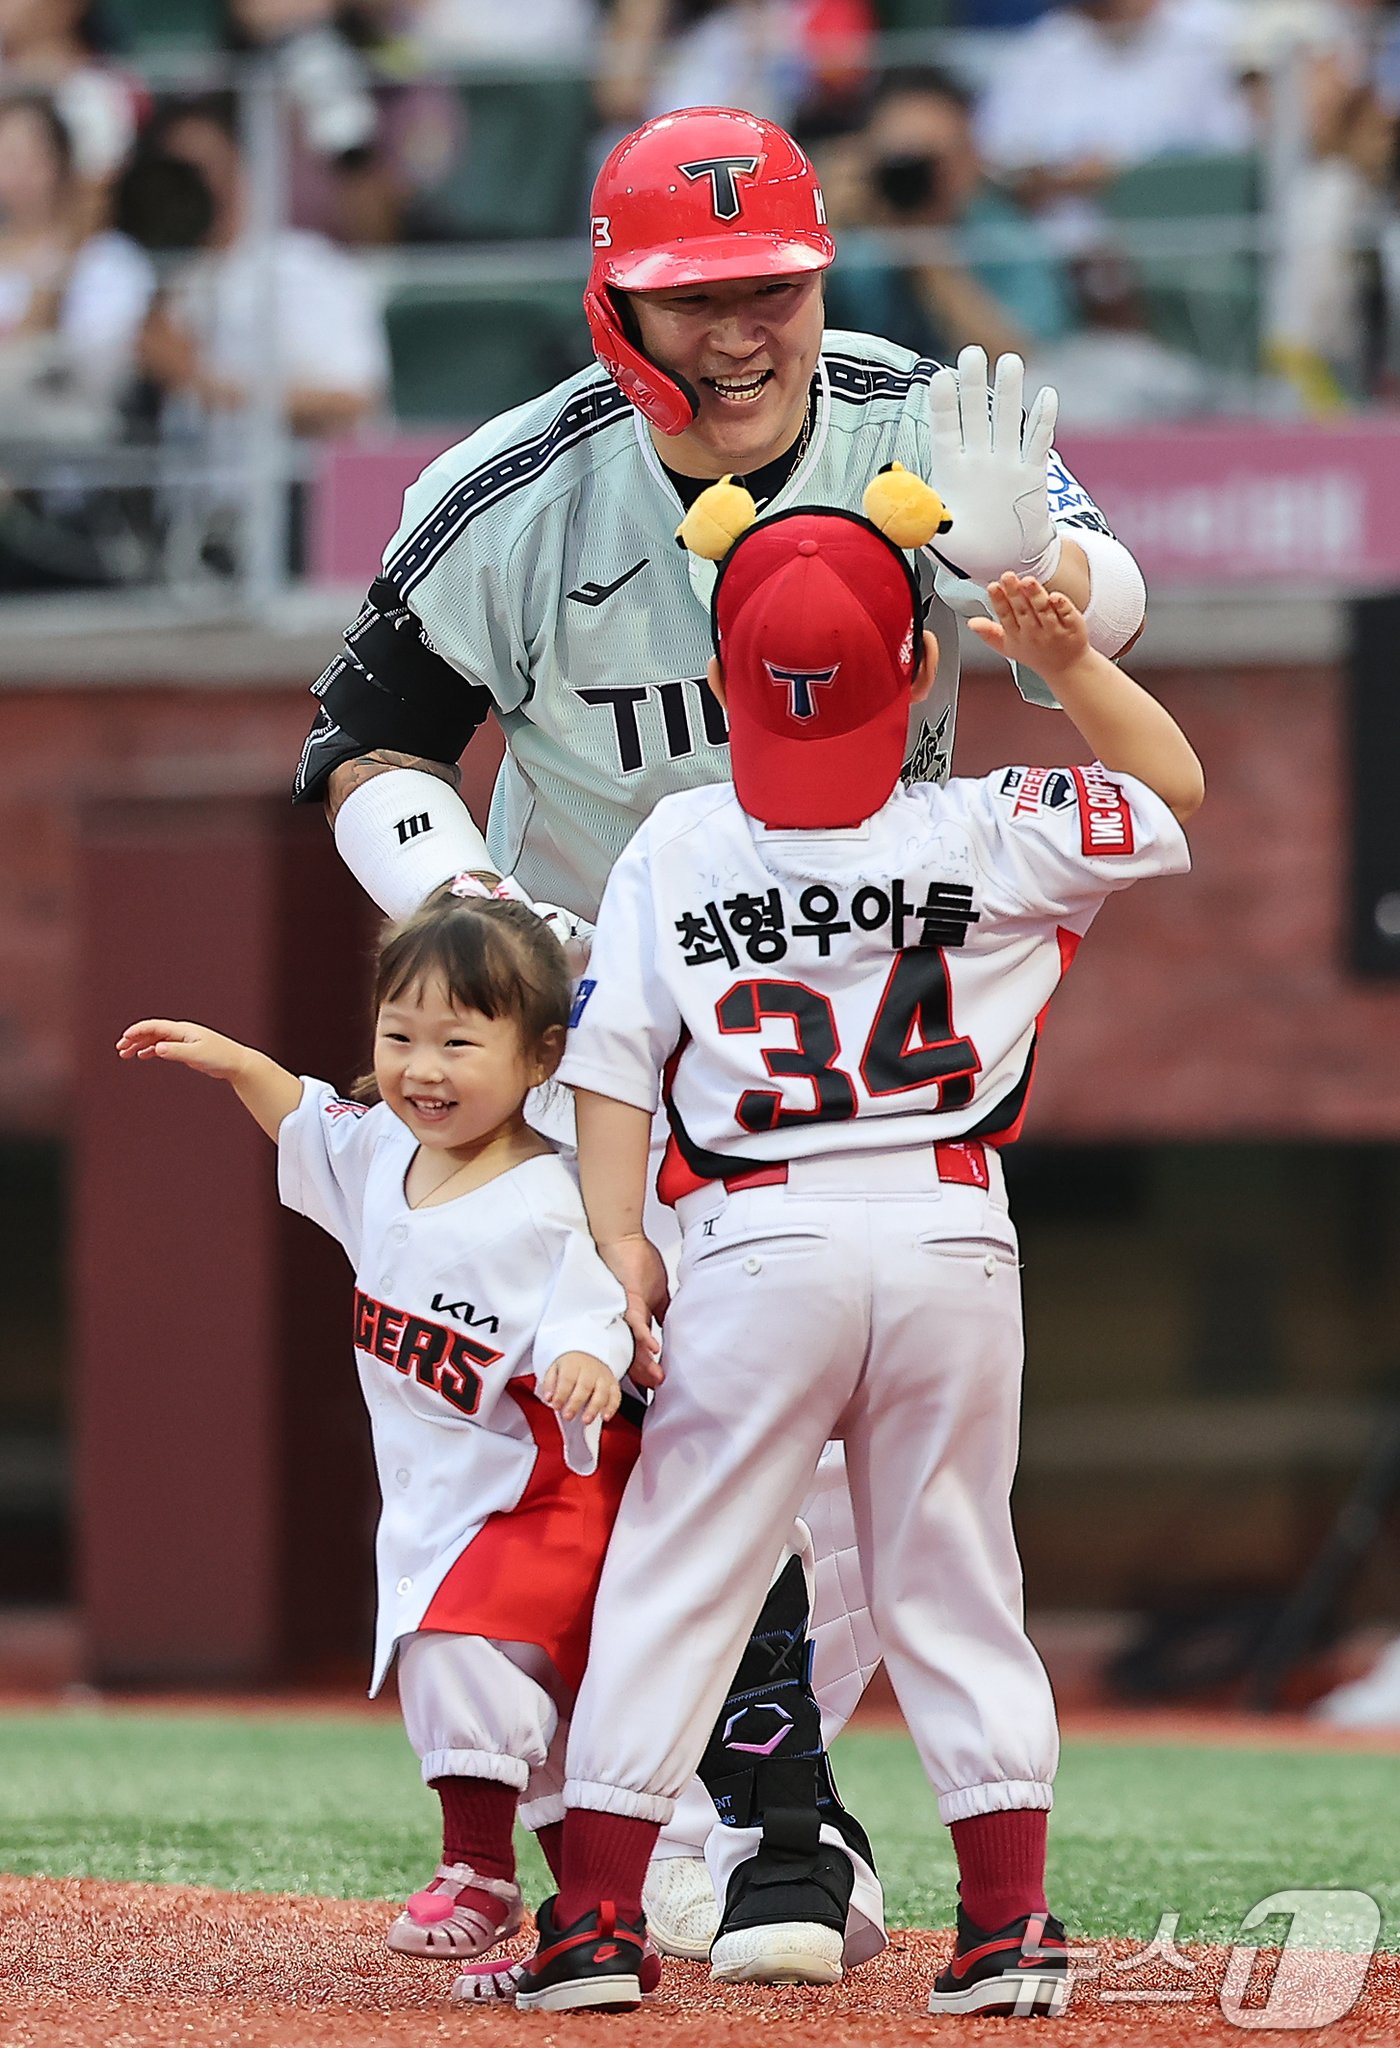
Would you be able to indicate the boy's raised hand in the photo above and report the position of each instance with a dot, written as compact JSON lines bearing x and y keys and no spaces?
{"x":580,"y":1387}
{"x":637,"y":1263}
{"x":189,"y":1045}
{"x":1042,"y":628}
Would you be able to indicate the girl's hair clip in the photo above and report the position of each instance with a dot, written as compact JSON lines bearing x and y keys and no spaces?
{"x":467,"y":884}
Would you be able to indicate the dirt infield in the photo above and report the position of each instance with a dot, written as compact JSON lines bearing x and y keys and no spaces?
{"x":85,"y":1964}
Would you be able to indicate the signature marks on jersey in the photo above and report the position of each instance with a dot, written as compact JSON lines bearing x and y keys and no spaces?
{"x":761,"y":925}
{"x":677,"y":723}
{"x":598,"y":593}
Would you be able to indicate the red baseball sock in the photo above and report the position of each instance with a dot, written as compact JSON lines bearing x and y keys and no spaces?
{"x":478,"y":1816}
{"x":605,"y":1857}
{"x":1001,"y":1865}
{"x":551,"y":1840}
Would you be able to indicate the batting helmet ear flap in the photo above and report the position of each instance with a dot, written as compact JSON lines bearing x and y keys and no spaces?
{"x":667,"y":401}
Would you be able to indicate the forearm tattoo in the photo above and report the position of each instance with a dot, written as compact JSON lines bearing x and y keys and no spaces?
{"x":350,"y":774}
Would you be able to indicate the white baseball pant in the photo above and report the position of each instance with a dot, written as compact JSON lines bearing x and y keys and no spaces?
{"x":861,"y":1300}
{"x":479,"y":1709}
{"x":846,"y":1652}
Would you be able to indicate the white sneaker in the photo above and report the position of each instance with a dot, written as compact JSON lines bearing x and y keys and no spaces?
{"x":682,"y":1912}
{"x":1369,"y":1702}
{"x":457,"y":1915}
{"x":788,"y":1952}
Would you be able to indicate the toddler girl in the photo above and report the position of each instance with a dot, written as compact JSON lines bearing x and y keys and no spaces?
{"x":480,"y":1306}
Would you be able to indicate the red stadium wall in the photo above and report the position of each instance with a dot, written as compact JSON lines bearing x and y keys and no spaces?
{"x":1215,"y":1007}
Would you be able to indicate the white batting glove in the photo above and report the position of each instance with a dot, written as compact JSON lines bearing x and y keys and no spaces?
{"x":990,"y":468}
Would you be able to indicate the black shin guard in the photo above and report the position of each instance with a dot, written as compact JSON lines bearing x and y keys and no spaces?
{"x":764,"y":1766}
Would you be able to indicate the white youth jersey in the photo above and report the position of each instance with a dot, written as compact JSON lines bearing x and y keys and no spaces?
{"x":880,"y":987}
{"x":458,"y":1308}
{"x":540,"y":556}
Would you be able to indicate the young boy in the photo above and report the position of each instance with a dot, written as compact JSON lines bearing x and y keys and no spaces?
{"x":835,"y":982}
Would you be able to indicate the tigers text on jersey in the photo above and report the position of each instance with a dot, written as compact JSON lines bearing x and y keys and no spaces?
{"x":459,"y":1306}
{"x":798,"y":993}
{"x":540,"y":556}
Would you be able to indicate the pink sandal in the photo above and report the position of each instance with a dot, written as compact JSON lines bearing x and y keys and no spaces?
{"x":457,"y":1916}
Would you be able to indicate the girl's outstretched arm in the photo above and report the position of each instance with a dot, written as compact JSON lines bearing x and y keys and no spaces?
{"x":268,"y":1092}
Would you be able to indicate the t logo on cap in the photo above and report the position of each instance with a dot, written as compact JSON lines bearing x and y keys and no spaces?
{"x":801,"y":682}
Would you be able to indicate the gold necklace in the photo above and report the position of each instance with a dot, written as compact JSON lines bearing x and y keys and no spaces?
{"x":808,"y":421}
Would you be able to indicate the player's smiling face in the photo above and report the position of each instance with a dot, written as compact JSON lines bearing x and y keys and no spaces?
{"x":454,"y":1076}
{"x":749,"y":347}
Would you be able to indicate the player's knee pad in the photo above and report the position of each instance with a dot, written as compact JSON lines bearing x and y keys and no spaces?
{"x":764,"y":1765}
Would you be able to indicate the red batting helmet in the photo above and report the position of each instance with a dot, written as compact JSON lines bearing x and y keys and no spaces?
{"x":689,"y":198}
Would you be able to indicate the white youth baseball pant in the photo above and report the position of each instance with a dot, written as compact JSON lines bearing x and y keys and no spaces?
{"x":473,"y":1708}
{"x":864,"y":1300}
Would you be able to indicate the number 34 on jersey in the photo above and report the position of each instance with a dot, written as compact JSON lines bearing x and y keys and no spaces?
{"x":796,"y":993}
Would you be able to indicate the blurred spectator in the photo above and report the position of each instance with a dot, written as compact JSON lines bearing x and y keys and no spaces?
{"x":54,"y":46}
{"x":358,"y":154}
{"x":1317,"y":67}
{"x":206,"y":341}
{"x":451,"y":31}
{"x":999,"y":284}
{"x":71,"y":304}
{"x":1000,"y":13}
{"x":1100,"y":84}
{"x":783,"y":59}
{"x":322,"y":71}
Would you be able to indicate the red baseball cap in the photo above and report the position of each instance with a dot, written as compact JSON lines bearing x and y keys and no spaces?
{"x":815,"y":619}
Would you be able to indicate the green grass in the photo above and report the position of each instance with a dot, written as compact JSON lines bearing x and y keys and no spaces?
{"x":334,"y":1806}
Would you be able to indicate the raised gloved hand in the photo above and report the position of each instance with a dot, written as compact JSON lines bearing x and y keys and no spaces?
{"x":989,"y":466}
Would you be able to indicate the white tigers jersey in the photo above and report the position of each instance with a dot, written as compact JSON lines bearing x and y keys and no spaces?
{"x":799,"y":993}
{"x":540,"y":557}
{"x":460,"y":1306}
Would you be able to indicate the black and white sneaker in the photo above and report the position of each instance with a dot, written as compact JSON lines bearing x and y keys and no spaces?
{"x":596,"y":1962}
{"x":1021,"y":1971}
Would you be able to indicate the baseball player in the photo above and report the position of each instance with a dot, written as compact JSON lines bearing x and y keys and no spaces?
{"x":535,"y":574}
{"x":480,"y":1306}
{"x":835,"y":983}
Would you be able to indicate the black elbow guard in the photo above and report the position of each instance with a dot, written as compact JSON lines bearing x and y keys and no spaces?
{"x":389,"y":688}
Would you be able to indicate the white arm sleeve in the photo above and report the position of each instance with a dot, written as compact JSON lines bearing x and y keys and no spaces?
{"x":403,"y":833}
{"x":1117,"y":594}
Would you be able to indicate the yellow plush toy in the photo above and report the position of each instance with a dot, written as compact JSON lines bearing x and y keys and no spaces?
{"x":716,"y":519}
{"x":897,"y":503}
{"x":904,"y":508}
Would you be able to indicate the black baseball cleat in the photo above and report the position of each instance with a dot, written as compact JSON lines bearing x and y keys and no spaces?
{"x":784,"y":1919}
{"x":599,"y":1961}
{"x":1021,"y":1971}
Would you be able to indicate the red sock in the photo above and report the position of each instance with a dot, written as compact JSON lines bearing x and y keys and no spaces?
{"x":605,"y":1857}
{"x":1001,"y":1865}
{"x":551,"y":1840}
{"x":478,"y":1816}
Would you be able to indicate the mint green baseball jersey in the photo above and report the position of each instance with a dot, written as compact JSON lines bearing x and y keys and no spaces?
{"x":540,"y":556}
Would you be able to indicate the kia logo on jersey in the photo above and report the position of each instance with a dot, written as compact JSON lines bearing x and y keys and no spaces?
{"x":721,"y":172}
{"x":800,"y":683}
